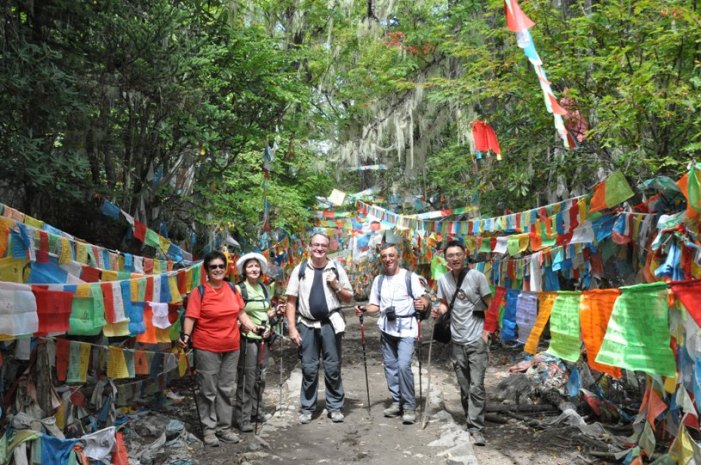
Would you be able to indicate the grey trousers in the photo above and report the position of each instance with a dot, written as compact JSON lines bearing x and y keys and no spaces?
{"x":216,"y":379}
{"x":321,"y":345}
{"x":247,"y":391}
{"x":470,"y":364}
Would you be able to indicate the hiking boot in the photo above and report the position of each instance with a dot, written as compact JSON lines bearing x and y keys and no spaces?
{"x":477,"y":438}
{"x":246,"y":428}
{"x":305,"y":418}
{"x":409,"y":417}
{"x":210,"y":439}
{"x":393,"y":410}
{"x":228,"y":435}
{"x":337,"y":417}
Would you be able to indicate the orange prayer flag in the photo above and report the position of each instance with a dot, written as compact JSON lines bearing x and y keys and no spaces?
{"x":655,"y":407}
{"x":545,"y":307}
{"x":594,"y":312}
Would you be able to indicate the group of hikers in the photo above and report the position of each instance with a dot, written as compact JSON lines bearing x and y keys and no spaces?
{"x":227,"y":325}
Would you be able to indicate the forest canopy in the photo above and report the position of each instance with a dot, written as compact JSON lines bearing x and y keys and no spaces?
{"x":165,"y":108}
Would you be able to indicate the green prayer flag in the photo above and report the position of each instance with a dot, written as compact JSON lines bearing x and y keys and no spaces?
{"x":694,"y":188}
{"x":564,"y":326}
{"x":637,"y":336}
{"x":152,"y":238}
{"x":617,"y":189}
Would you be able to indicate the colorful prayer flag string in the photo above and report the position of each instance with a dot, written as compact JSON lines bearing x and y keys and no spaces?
{"x":518,"y":22}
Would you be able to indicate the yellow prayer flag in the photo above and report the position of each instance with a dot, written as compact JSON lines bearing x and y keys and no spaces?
{"x":33,"y":222}
{"x":109,"y":275}
{"x":670,"y":383}
{"x":116,"y":329}
{"x":582,"y":204}
{"x":65,"y":256}
{"x":83,"y":290}
{"x":175,"y":296}
{"x":81,"y":252}
{"x":84,"y":362}
{"x":116,"y":364}
{"x":681,"y":450}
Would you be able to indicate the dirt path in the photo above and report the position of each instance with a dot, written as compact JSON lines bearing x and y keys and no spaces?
{"x":364,"y":438}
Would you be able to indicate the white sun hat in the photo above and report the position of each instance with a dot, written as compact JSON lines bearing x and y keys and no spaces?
{"x":255,"y":256}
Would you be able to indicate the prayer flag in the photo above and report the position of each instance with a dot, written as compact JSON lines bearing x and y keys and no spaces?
{"x":564,"y":326}
{"x":79,"y":357}
{"x":545,"y":306}
{"x":526,"y":313}
{"x":516,"y":19}
{"x":637,"y":336}
{"x":18,"y":310}
{"x":595,"y":311}
{"x":689,"y":293}
{"x":53,"y":310}
{"x":610,"y":192}
{"x":116,"y":364}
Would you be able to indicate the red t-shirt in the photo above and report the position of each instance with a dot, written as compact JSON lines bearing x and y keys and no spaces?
{"x":216,"y":318}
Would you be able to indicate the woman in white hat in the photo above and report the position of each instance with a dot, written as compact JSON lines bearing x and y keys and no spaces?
{"x":252,"y":369}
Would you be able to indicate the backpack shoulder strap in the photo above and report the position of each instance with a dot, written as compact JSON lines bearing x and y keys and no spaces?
{"x":244,"y":291}
{"x":335,"y":269}
{"x":302,"y":270}
{"x":379,"y":288}
{"x":266,"y":293}
{"x":458,"y":285}
{"x":201,"y":289}
{"x":232,"y":286}
{"x":407,"y":280}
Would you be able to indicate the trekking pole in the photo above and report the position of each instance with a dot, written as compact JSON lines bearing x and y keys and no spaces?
{"x":365,"y":360}
{"x":193,"y":389}
{"x":282,"y":340}
{"x":281,"y":329}
{"x":418,"y":319}
{"x":259,"y":376}
{"x":427,"y":399}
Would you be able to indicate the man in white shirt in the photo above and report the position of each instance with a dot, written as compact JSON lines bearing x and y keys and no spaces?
{"x":397,"y":294}
{"x":315,"y":291}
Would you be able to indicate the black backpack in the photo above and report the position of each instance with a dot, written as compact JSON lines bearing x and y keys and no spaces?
{"x":303,"y":269}
{"x":244,"y":293}
{"x":201,"y":289}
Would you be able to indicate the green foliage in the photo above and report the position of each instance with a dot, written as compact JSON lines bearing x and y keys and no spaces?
{"x":165,"y":107}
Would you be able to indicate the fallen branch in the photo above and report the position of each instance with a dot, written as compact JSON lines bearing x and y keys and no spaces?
{"x":533,"y":408}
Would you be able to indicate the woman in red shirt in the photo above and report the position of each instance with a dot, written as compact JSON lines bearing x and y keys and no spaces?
{"x":212,"y":327}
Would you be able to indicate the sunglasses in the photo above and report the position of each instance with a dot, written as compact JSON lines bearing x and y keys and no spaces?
{"x":215,"y":267}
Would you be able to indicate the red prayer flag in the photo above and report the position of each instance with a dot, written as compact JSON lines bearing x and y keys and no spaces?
{"x":689,"y":292}
{"x":90,"y":274}
{"x":492,"y":316}
{"x":655,"y":407}
{"x":108,"y":299}
{"x":140,"y":230}
{"x":63,"y":350}
{"x":53,"y":310}
{"x":516,"y":19}
{"x":43,"y":252}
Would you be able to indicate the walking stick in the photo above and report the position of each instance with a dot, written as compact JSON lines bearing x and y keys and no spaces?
{"x":259,"y":375}
{"x":427,"y":399}
{"x":193,"y":390}
{"x":280,"y":342}
{"x":365,"y":360}
{"x":418,"y":318}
